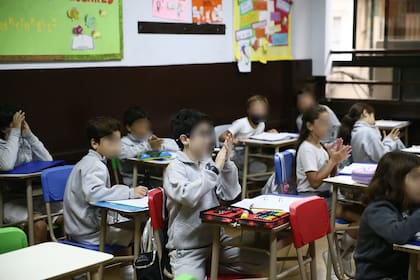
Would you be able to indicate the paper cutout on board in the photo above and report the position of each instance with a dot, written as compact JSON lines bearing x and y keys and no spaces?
{"x":207,"y":11}
{"x":246,"y":6}
{"x":283,"y":5}
{"x":82,"y":42}
{"x":170,"y":9}
{"x":244,"y":62}
{"x":244,"y":34}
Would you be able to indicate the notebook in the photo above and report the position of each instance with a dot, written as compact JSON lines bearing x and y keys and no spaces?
{"x":138,"y":202}
{"x":33,"y":167}
{"x":274,"y":137}
{"x":348,"y":170}
{"x":267,"y":202}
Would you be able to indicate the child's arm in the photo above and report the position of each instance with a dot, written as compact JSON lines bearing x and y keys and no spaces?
{"x":228,"y":188}
{"x":386,"y":223}
{"x":9,"y":150}
{"x":129,"y":151}
{"x":375,"y":148}
{"x":39,"y":152}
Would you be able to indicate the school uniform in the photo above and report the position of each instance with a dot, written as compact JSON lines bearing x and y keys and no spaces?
{"x":20,"y":148}
{"x":381,"y":226}
{"x":191,"y":187}
{"x":131,"y":146}
{"x":89,"y":182}
{"x":311,"y":158}
{"x":240,"y":129}
{"x":367,"y":144}
{"x":334,"y":125}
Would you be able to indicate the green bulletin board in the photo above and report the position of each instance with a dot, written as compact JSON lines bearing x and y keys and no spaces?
{"x":60,"y":30}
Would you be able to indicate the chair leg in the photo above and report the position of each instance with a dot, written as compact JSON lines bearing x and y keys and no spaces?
{"x":334,"y":259}
{"x":312,"y":254}
{"x":301,"y":263}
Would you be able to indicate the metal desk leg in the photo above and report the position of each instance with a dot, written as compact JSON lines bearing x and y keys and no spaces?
{"x":30,"y":209}
{"x":215,"y":253}
{"x":333,"y":217}
{"x":406,"y":136}
{"x":102,"y":239}
{"x":245,"y":172}
{"x":412,"y":272}
{"x":137,"y":233}
{"x":135,"y":175}
{"x":273,"y":256}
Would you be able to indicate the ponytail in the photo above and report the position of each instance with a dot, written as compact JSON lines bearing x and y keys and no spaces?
{"x":348,"y":121}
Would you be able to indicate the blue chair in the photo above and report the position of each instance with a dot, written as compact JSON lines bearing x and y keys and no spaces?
{"x":54,"y":181}
{"x":283,"y":167}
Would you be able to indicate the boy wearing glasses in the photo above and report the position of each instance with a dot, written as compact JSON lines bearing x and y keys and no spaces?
{"x":193,"y":182}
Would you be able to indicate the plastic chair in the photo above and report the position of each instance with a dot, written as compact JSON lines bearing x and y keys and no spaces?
{"x":218,"y":130}
{"x":283,"y":166}
{"x":53,"y":181}
{"x":115,"y":170}
{"x":11,"y":239}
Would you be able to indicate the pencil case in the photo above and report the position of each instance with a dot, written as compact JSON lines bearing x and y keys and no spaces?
{"x":265,"y":219}
{"x":154,"y":155}
{"x":222,"y":214}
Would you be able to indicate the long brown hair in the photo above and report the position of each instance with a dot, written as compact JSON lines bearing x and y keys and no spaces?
{"x":351,"y":118}
{"x":388,"y":181}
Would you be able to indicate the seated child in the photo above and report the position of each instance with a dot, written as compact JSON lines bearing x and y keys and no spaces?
{"x":19,"y":145}
{"x":193,"y":183}
{"x":139,"y":139}
{"x":305,"y":100}
{"x":252,"y":124}
{"x":358,"y":129}
{"x":90,"y":182}
{"x":391,"y":217}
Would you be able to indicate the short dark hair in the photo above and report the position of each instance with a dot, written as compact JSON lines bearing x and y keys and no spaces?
{"x":185,"y":121}
{"x":256,"y":98}
{"x":7,"y":112}
{"x":99,"y":127}
{"x":133,"y":114}
{"x":388,"y":181}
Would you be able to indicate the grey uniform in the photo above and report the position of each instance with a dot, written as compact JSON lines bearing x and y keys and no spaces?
{"x":367,"y":144}
{"x":191,"y":188}
{"x":131,"y":146}
{"x":89,"y":182}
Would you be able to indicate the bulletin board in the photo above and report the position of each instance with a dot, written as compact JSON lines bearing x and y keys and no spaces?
{"x":263,"y":28}
{"x":60,"y":30}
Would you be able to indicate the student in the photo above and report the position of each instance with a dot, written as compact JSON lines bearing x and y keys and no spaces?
{"x":358,"y":129}
{"x":139,"y":139}
{"x":391,"y":217}
{"x":305,"y":100}
{"x":193,"y":183}
{"x":89,"y":182}
{"x":19,"y":145}
{"x":253,"y":124}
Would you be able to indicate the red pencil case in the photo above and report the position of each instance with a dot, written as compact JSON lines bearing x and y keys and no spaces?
{"x":266,"y":219}
{"x":223,"y":214}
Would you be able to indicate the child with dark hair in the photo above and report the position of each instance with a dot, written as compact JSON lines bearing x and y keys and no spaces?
{"x":391,"y":217}
{"x":193,"y":182}
{"x":18,"y":145}
{"x":358,"y":129}
{"x":139,"y":139}
{"x":89,"y":182}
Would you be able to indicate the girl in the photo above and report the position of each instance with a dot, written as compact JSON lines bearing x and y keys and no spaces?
{"x":358,"y":129}
{"x":392,"y":216}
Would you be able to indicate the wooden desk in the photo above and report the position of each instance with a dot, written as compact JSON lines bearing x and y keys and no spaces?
{"x":148,"y":163}
{"x":248,"y":143}
{"x":414,"y":251}
{"x":388,"y":125}
{"x":30,"y":193}
{"x":137,"y":214}
{"x":338,"y":182}
{"x":50,"y":260}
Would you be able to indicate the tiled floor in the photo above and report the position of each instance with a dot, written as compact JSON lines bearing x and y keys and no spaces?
{"x":321,"y":246}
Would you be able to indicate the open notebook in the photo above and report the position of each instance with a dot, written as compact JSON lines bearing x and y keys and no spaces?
{"x":138,"y":202}
{"x":273,"y":137}
{"x":267,"y":202}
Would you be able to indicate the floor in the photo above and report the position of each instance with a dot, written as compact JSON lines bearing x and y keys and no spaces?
{"x":321,"y":246}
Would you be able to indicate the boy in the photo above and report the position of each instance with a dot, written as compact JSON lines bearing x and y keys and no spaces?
{"x":305,"y":100}
{"x":139,"y":139}
{"x":193,"y":183}
{"x":19,"y":145}
{"x":89,"y":182}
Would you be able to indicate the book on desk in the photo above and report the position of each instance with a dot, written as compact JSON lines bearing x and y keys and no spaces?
{"x":274,"y":137}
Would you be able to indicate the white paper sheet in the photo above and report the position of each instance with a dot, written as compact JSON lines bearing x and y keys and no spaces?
{"x":391,"y":124}
{"x":267,"y":202}
{"x":138,"y":202}
{"x":272,"y":137}
{"x":412,"y":149}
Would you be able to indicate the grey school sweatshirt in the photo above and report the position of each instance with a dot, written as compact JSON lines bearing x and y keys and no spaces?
{"x":89,"y":182}
{"x":381,"y":226}
{"x":21,"y":148}
{"x":191,"y":188}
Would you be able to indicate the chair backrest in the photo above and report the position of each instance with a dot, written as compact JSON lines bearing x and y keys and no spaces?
{"x":283,"y":166}
{"x":218,"y":130}
{"x":309,"y":220}
{"x":156,"y":206}
{"x":53,"y":181}
{"x":12,"y":238}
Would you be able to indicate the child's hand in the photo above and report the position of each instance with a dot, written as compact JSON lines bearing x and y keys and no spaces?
{"x":26,"y":130}
{"x":341,"y":154}
{"x":155,"y":142}
{"x":140,"y":192}
{"x":229,"y":145}
{"x":393,"y":135}
{"x":18,"y":119}
{"x":221,"y":158}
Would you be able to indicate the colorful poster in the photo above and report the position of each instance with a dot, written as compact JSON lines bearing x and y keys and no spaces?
{"x":265,"y":26}
{"x":170,"y":9}
{"x":207,"y":11}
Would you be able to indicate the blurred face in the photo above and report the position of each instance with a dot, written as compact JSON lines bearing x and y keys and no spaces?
{"x":257,"y":112}
{"x":108,"y":146}
{"x":200,"y":142}
{"x":321,"y":126}
{"x":304,"y":102}
{"x":412,"y":185}
{"x":141,"y":128}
